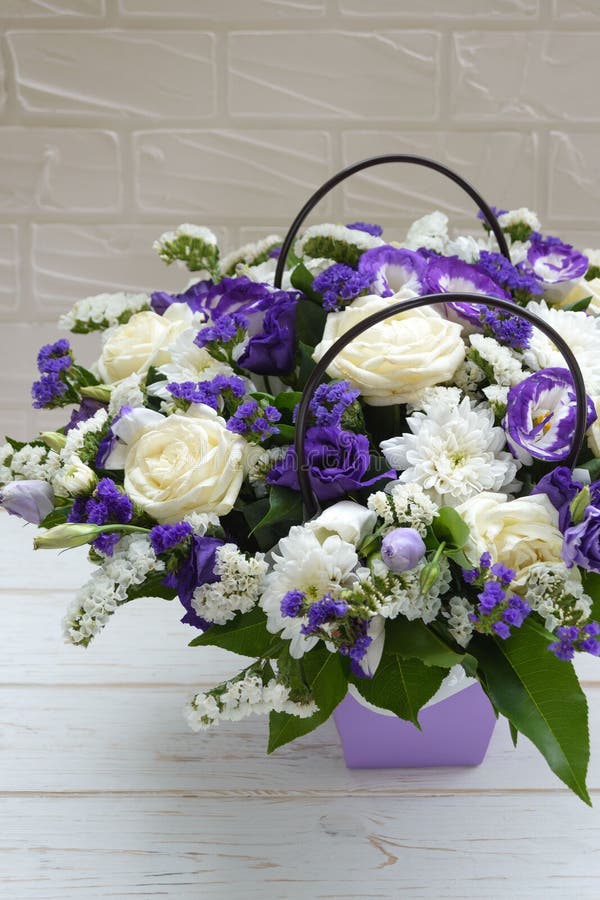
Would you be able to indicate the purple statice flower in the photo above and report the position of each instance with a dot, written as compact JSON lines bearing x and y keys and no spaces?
{"x":227,"y":329}
{"x":508,"y":329}
{"x":165,"y":537}
{"x":254,"y":421}
{"x":485,"y":561}
{"x":503,"y":573}
{"x":367,"y":227}
{"x":561,"y":489}
{"x":48,"y":390}
{"x":291,"y":603}
{"x":83,"y":412}
{"x":357,"y":649}
{"x":108,"y":504}
{"x":208,"y":392}
{"x":325,"y":610}
{"x":540,"y":414}
{"x":196,"y":569}
{"x":581,"y":545}
{"x":402,"y":549}
{"x":497,"y":267}
{"x":445,"y":275}
{"x":572,"y":638}
{"x":551,"y":261}
{"x":54,"y":357}
{"x":339,"y":284}
{"x":330,"y":402}
{"x":30,"y":499}
{"x":106,"y":542}
{"x":497,"y":610}
{"x":274,"y":252}
{"x":337,"y":461}
{"x":389,"y":269}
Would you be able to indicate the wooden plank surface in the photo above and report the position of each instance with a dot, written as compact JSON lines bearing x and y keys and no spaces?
{"x":105,"y":793}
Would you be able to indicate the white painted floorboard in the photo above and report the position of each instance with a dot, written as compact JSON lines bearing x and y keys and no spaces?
{"x":105,"y":793}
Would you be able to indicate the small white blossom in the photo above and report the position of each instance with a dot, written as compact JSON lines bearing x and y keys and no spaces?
{"x":465,"y":247}
{"x":506,"y":368}
{"x":103,"y":311}
{"x":340,"y":233}
{"x":127,"y":392}
{"x":426,"y":399}
{"x":522,"y":216}
{"x":430,"y":231}
{"x":497,"y":397}
{"x":32,"y":462}
{"x":556,"y":593}
{"x":202,"y":522}
{"x":238,"y":589}
{"x":459,"y":624}
{"x":469,"y":378}
{"x":252,"y":254}
{"x":404,"y":505}
{"x":403,"y":593}
{"x":74,"y":478}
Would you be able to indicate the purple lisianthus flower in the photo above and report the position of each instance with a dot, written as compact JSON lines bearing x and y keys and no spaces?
{"x":230,"y":295}
{"x":581,"y":545}
{"x":445,"y":275}
{"x":390,"y":269}
{"x":501,"y":270}
{"x":367,"y":227}
{"x":337,"y":462}
{"x":30,"y":499}
{"x":197,"y":569}
{"x":552,"y":261}
{"x":540,"y":415}
{"x":561,"y":489}
{"x":402,"y":548}
{"x":272,"y":332}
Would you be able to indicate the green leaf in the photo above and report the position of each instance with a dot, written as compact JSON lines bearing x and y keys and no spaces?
{"x":578,"y":305}
{"x":152,"y":587}
{"x":302,"y":280}
{"x":57,"y":516}
{"x":591,"y":585}
{"x":310,"y":322}
{"x":324,"y":675}
{"x":448,"y":526}
{"x":415,"y":640}
{"x":305,"y":363}
{"x":246,"y":634}
{"x":514,"y":734}
{"x":593,"y":467}
{"x":401,"y":685}
{"x":285,"y":505}
{"x":541,"y":696}
{"x":253,"y":513}
{"x":287,"y":401}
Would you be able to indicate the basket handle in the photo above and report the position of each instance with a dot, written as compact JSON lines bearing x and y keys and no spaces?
{"x":309,"y":498}
{"x":340,"y":176}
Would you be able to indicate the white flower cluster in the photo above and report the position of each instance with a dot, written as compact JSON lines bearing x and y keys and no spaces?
{"x":506,"y":369}
{"x":430,"y":231}
{"x":404,"y":505}
{"x":238,"y":589}
{"x":32,"y":461}
{"x":469,"y":378}
{"x":522,"y":216}
{"x":241,"y":698}
{"x":202,"y":522}
{"x":259,"y":463}
{"x":556,"y":593}
{"x":404,"y":595}
{"x":132,"y":561}
{"x":127,"y":392}
{"x":103,"y":311}
{"x":582,"y":334}
{"x":459,"y":624}
{"x":340,"y":233}
{"x":71,"y":476}
{"x":252,"y":254}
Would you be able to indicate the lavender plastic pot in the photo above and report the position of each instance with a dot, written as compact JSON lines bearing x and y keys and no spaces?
{"x":455,"y":732}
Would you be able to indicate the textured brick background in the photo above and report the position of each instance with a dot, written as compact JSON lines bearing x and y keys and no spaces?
{"x":122,"y":118}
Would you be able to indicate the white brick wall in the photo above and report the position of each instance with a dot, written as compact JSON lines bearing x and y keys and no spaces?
{"x":121,"y":118}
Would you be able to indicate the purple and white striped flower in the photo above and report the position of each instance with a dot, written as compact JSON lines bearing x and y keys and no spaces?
{"x":553,"y":262}
{"x":393,"y":268}
{"x":541,"y":413}
{"x":448,"y":275}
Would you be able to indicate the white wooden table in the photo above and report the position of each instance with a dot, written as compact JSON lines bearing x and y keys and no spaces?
{"x":105,"y":792}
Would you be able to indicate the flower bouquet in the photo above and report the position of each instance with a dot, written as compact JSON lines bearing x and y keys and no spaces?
{"x":369,"y":465}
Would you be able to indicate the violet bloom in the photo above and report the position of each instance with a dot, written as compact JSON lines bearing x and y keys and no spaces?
{"x":581,"y":545}
{"x":230,"y":295}
{"x":337,"y":462}
{"x":552,"y":262}
{"x":446,"y":275}
{"x":84,"y":411}
{"x":402,"y":549}
{"x":390,"y":269}
{"x":367,"y":227}
{"x":271,"y":348}
{"x":540,"y":415}
{"x":561,"y":489}
{"x":30,"y":499}
{"x":197,"y":569}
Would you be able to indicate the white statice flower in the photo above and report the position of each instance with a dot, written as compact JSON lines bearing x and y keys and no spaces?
{"x":33,"y":462}
{"x":469,"y":378}
{"x":301,"y":562}
{"x":582,"y":334}
{"x":593,"y":256}
{"x":243,"y":697}
{"x":404,"y":506}
{"x":68,"y":469}
{"x":453,"y":453}
{"x":252,"y":254}
{"x":431,"y":397}
{"x":459,"y":623}
{"x":506,"y":368}
{"x":103,"y":311}
{"x":6,"y":455}
{"x":521,"y":216}
{"x":127,"y":392}
{"x":518,"y":250}
{"x":316,"y":235}
{"x":466,"y":247}
{"x":193,"y":245}
{"x":202,"y":523}
{"x":132,"y":561}
{"x":430,"y":231}
{"x":259,"y":463}
{"x":404,"y":595}
{"x":238,"y":589}
{"x":497,"y":397}
{"x":556,"y":593}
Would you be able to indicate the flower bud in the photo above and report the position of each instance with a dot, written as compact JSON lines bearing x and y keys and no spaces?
{"x":31,"y":499}
{"x":54,"y":440}
{"x":71,"y":534}
{"x":429,"y":575}
{"x":402,"y":549}
{"x":76,"y":478}
{"x":99,"y":392}
{"x":579,"y":504}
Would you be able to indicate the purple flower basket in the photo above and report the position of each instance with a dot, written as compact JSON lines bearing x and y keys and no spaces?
{"x":455,"y":732}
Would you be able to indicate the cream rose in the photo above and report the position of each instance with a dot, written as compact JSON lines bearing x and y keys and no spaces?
{"x":518,"y":533}
{"x":142,"y":342}
{"x":183,"y":464}
{"x":579,"y":290}
{"x":394,"y":360}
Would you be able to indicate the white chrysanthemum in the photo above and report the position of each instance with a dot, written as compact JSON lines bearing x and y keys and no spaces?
{"x":302,"y":563}
{"x":251,"y":254}
{"x":453,"y":453}
{"x":340,"y":233}
{"x":507,"y":369}
{"x":582,"y":334}
{"x":238,"y":589}
{"x":430,"y":231}
{"x":459,"y":623}
{"x":103,"y":311}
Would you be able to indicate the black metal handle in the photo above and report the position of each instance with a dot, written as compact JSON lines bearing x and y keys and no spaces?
{"x":311,"y":503}
{"x":310,"y":204}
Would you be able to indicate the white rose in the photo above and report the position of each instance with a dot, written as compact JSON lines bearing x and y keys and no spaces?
{"x":593,"y":433}
{"x":580,"y":289}
{"x":394,"y":360}
{"x":518,"y":533}
{"x":351,"y":521}
{"x":142,"y":342}
{"x":184,"y":464}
